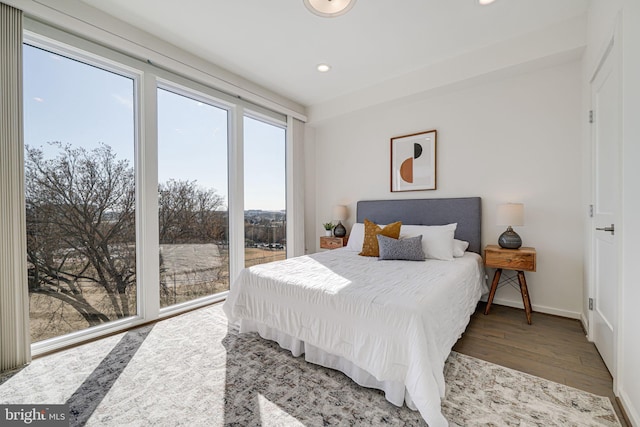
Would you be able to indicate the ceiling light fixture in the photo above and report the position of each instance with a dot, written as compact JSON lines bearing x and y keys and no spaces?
{"x":485,"y":2}
{"x":329,"y":8}
{"x":323,"y":68}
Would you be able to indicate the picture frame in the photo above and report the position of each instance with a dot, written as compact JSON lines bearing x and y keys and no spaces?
{"x":413,"y":161}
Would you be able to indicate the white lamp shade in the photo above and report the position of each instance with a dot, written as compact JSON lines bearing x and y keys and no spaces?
{"x":510,"y":214}
{"x":340,"y":212}
{"x":329,"y":8}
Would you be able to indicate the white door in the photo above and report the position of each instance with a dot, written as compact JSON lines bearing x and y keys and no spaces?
{"x":606,"y":133}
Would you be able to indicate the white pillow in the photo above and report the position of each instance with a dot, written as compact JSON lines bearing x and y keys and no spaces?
{"x":437,"y":240}
{"x":459,"y":248}
{"x":356,"y":237}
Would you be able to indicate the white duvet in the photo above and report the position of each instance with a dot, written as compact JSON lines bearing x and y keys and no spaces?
{"x":397,"y":320}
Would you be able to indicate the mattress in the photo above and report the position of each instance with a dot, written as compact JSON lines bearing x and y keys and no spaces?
{"x":386,"y":324}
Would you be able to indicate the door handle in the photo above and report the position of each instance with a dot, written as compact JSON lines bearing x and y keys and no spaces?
{"x":610,"y":229}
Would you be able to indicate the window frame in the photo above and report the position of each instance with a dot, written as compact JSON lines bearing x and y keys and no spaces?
{"x":257,"y":114}
{"x":113,"y":65}
{"x":147,"y":79}
{"x":197,"y":93}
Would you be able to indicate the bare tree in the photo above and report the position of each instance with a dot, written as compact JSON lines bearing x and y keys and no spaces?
{"x":190,"y":213}
{"x":81,"y":227}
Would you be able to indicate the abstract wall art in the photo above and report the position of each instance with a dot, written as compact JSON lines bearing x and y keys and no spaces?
{"x":413,"y":162}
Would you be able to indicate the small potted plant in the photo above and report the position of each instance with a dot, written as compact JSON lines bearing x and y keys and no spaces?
{"x":328,"y":226}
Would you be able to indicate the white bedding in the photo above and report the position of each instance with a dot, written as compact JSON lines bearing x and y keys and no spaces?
{"x":395,"y":320}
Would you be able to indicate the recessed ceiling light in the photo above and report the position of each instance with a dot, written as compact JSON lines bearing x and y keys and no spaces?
{"x":485,"y":2}
{"x":323,"y":68}
{"x":329,"y":8}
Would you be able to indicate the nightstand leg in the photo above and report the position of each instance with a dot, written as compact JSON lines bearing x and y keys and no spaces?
{"x":525,"y":295}
{"x":494,"y":286}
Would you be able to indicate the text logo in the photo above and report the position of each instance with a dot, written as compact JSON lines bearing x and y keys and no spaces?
{"x":34,"y":415}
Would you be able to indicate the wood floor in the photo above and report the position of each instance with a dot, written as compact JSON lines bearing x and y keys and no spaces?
{"x":552,"y":347}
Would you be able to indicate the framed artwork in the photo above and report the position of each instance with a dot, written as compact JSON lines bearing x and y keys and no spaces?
{"x":413,"y":162}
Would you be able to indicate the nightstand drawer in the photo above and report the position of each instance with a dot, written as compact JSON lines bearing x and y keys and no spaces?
{"x":332,"y":242}
{"x":523,"y":259}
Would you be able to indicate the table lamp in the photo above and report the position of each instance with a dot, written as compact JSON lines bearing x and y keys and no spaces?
{"x":510,"y":214}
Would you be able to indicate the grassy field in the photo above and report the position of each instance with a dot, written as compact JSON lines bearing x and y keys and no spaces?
{"x":255,"y":256}
{"x":190,"y":272}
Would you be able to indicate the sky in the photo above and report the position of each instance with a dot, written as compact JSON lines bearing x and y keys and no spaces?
{"x":82,"y":105}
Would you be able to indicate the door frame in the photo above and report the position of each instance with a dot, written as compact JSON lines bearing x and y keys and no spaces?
{"x":611,"y":49}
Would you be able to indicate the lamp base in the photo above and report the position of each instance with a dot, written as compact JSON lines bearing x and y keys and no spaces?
{"x":339,"y":230}
{"x":509,"y":239}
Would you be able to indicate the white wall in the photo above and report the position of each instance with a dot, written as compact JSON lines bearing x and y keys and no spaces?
{"x":629,"y":372}
{"x":515,"y":139}
{"x":601,"y":23}
{"x":548,"y":46}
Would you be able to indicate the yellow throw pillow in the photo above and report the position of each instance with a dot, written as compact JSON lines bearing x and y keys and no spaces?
{"x":371,"y":230}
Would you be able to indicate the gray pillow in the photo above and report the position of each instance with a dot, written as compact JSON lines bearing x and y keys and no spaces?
{"x":409,"y":249}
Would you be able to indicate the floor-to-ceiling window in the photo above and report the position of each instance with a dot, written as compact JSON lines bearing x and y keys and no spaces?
{"x":128,"y":173}
{"x":265,"y":212}
{"x":79,"y":132}
{"x":192,"y":197}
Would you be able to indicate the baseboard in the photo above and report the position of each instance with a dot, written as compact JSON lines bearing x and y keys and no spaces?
{"x":539,"y":308}
{"x":585,"y":326}
{"x":629,"y":411}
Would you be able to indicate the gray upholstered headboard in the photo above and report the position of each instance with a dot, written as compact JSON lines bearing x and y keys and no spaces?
{"x":466,"y":211}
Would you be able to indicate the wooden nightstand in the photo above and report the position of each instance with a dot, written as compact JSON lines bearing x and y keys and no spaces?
{"x":520,"y":260}
{"x":327,"y":242}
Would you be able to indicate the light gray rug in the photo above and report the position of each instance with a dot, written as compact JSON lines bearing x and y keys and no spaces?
{"x":192,"y":371}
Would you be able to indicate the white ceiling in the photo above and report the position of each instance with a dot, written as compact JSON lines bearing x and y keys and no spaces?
{"x":277,"y":44}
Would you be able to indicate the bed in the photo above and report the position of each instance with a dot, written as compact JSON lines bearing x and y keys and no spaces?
{"x":388,"y":325}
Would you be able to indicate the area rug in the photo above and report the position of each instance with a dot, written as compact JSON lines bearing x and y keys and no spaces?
{"x":193,"y":370}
